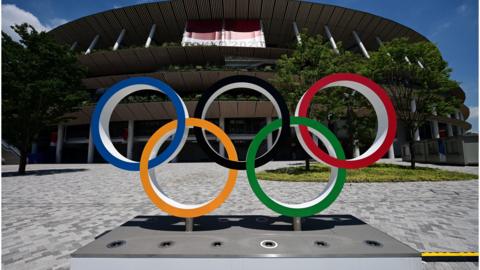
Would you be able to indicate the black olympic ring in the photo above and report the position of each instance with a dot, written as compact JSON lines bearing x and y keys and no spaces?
{"x":245,"y":82}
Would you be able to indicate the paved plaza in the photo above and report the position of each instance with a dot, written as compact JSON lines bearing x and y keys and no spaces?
{"x":56,"y":209}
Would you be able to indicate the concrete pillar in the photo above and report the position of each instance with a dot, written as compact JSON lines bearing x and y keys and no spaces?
{"x":34,"y":148}
{"x":449,"y":130}
{"x":330,"y":38}
{"x":435,"y":130}
{"x":297,"y":33}
{"x":356,"y":151}
{"x":91,"y":148}
{"x":92,"y":45}
{"x":119,"y":40}
{"x":130,"y":139}
{"x":380,"y":44}
{"x":413,"y":107}
{"x":221,"y":147}
{"x":150,"y":36}
{"x":391,"y":152}
{"x":58,"y":150}
{"x":360,"y":44}
{"x":270,"y":137}
{"x":459,"y":130}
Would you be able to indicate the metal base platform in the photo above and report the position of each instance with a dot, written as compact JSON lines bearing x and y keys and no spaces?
{"x":246,"y":242}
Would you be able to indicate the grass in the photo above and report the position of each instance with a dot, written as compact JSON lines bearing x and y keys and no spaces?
{"x":375,"y":173}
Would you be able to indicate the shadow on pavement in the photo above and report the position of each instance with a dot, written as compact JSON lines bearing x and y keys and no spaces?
{"x":42,"y":172}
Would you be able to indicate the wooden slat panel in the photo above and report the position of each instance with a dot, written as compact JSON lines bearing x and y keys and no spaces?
{"x":213,"y":55}
{"x":156,"y":110}
{"x":247,"y":108}
{"x":161,"y":31}
{"x":192,"y":80}
{"x":313,"y":17}
{"x":325,"y":15}
{"x":229,"y":109}
{"x":175,"y":80}
{"x":267,"y":9}
{"x":191,"y":9}
{"x":279,"y":9}
{"x":146,"y":59}
{"x":229,"y":9}
{"x":242,"y":9}
{"x":122,"y":111}
{"x":169,"y":18}
{"x":177,"y":54}
{"x":191,"y":105}
{"x":104,"y":39}
{"x":254,"y":7}
{"x":302,"y":14}
{"x":194,"y":55}
{"x":161,"y":55}
{"x":263,"y":108}
{"x":291,"y":10}
{"x":336,"y":16}
{"x":204,"y":9}
{"x":217,"y":9}
{"x":214,"y":110}
{"x":139,"y":111}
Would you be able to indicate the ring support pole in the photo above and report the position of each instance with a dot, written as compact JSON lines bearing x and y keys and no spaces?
{"x":189,"y":224}
{"x":297,"y":223}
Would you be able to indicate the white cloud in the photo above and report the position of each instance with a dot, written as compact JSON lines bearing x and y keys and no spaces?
{"x":462,"y":8}
{"x":440,"y":28}
{"x":473,"y":112}
{"x":11,"y":15}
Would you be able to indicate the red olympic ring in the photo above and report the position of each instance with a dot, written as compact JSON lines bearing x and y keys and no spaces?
{"x":385,"y":141}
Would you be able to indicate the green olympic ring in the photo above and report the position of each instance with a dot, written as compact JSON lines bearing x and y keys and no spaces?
{"x":325,"y":199}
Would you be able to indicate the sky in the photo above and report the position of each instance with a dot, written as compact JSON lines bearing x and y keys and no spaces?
{"x":451,"y":24}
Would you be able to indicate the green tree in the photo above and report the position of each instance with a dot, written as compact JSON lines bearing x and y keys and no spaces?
{"x":428,"y":85}
{"x":41,"y":83}
{"x":311,"y":60}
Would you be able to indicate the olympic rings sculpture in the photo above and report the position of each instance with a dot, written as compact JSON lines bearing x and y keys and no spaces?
{"x":304,"y":127}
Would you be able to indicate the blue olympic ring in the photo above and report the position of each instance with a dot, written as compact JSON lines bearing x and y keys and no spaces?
{"x":100,"y":130}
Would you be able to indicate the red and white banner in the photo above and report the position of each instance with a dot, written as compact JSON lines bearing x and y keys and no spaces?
{"x":236,"y":33}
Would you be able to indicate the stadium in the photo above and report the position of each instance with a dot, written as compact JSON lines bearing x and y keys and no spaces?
{"x":191,"y":45}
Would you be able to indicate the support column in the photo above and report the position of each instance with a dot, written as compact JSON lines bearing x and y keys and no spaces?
{"x":360,"y":44}
{"x":150,"y":35}
{"x":297,"y":33}
{"x":459,"y":130}
{"x":119,"y":40}
{"x":380,"y":44}
{"x":270,"y":137}
{"x":391,"y":152}
{"x":91,"y":149}
{"x":130,"y":139}
{"x":34,"y":148}
{"x":356,"y":151}
{"x":58,"y":150}
{"x":92,"y":45}
{"x":413,"y":107}
{"x":435,"y":130}
{"x":407,"y":60}
{"x":332,"y":41}
{"x":221,"y":148}
{"x":449,"y":130}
